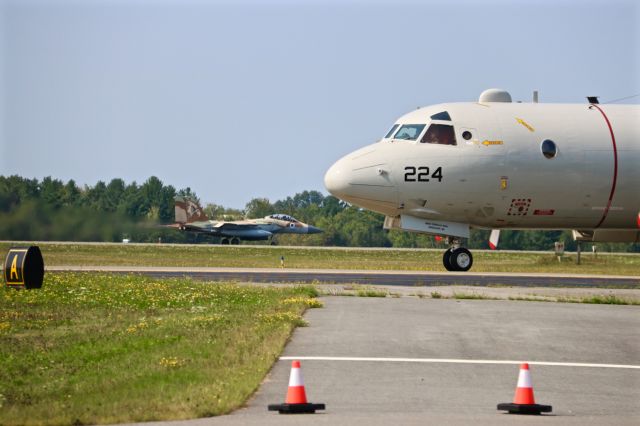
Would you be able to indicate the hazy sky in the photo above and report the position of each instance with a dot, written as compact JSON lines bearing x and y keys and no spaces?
{"x":245,"y":99}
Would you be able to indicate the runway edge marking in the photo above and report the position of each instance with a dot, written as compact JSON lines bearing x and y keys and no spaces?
{"x":458,"y":361}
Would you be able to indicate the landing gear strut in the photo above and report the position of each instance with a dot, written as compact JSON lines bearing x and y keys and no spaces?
{"x":457,"y":258}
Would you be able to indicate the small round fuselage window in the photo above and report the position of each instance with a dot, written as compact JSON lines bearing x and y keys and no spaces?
{"x":549,"y":148}
{"x":466,"y":135}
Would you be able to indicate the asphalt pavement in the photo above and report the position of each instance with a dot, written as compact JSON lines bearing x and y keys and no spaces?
{"x":405,"y":360}
{"x":368,"y":277}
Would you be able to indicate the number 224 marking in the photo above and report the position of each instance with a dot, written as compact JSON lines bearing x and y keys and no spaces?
{"x":421,"y":174}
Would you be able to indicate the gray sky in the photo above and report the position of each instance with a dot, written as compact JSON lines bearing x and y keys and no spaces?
{"x":245,"y":99}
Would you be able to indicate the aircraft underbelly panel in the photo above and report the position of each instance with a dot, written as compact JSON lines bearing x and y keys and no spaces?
{"x":254,"y":233}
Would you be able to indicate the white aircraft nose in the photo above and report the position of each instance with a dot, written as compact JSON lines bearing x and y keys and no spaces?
{"x":336,"y":180}
{"x":364,"y":178}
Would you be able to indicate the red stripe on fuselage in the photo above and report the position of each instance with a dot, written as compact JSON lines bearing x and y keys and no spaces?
{"x":615,"y":166}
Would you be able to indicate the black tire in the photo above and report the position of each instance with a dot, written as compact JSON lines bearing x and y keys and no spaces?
{"x":461,"y":259}
{"x":224,"y":241}
{"x":235,"y":241}
{"x":446,"y":260}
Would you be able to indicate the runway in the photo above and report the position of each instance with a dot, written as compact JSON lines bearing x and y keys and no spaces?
{"x":368,"y":277}
{"x":380,"y":361}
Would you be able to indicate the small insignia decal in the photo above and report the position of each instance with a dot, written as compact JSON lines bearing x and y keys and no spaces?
{"x":519,"y":207}
{"x":489,"y":143}
{"x":504,"y":183}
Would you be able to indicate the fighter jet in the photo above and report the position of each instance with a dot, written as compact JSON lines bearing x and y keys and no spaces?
{"x":497,"y":164}
{"x":190,"y":217}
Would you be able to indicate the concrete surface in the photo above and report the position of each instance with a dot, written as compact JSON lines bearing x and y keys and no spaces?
{"x":378,"y":392}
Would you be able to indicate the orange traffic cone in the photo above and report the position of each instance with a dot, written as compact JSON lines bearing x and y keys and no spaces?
{"x":296,"y":401}
{"x":523,"y":401}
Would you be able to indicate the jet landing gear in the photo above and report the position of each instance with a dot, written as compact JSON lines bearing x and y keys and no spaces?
{"x":227,"y":241}
{"x":457,"y":258}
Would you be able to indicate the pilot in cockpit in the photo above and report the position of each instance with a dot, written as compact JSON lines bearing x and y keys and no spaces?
{"x":439,"y":134}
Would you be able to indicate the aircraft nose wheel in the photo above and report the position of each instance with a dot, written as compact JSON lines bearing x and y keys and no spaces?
{"x":457,"y":259}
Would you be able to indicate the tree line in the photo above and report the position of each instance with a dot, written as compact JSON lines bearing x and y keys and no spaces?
{"x":52,"y":210}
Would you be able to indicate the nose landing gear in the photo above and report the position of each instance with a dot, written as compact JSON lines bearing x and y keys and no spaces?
{"x":457,"y":258}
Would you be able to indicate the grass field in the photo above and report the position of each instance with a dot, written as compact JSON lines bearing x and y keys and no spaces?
{"x":269,"y":257}
{"x":90,"y":348}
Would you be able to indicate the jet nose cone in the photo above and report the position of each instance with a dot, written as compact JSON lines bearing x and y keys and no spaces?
{"x":336,"y":179}
{"x":313,"y":230}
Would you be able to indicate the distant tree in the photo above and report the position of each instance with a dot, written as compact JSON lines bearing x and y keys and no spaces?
{"x":358,"y":227}
{"x":9,"y":195}
{"x":17,"y":190}
{"x":132,"y":204}
{"x":305,"y":199}
{"x":258,"y":207}
{"x":286,"y":206}
{"x":52,"y":192}
{"x":96,"y":196}
{"x":188,"y":193}
{"x":114,"y":194}
{"x":218,"y":212}
{"x":332,"y":206}
{"x":480,"y":239}
{"x":151,"y":191}
{"x":214,"y":211}
{"x":399,"y":238}
{"x":167,"y":204}
{"x":72,"y":194}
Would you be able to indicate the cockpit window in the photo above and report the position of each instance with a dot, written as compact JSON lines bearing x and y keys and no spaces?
{"x":284,"y":217}
{"x":444,"y":116}
{"x":390,"y":132}
{"x":409,"y":132}
{"x":441,"y":134}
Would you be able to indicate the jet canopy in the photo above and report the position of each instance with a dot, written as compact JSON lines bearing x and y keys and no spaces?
{"x":284,"y":217}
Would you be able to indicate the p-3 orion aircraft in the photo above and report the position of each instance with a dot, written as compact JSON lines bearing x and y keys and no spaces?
{"x":495,"y":164}
{"x":190,"y":217}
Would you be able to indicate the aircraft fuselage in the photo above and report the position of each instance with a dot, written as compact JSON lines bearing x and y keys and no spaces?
{"x":496,"y":175}
{"x":496,"y":164}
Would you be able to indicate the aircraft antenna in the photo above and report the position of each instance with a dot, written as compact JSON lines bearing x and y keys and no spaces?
{"x":622,"y":99}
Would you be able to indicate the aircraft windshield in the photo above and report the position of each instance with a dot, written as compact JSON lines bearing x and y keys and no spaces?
{"x":439,"y":134}
{"x":391,"y":131}
{"x":409,"y":132}
{"x":284,"y":217}
{"x":444,"y":116}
